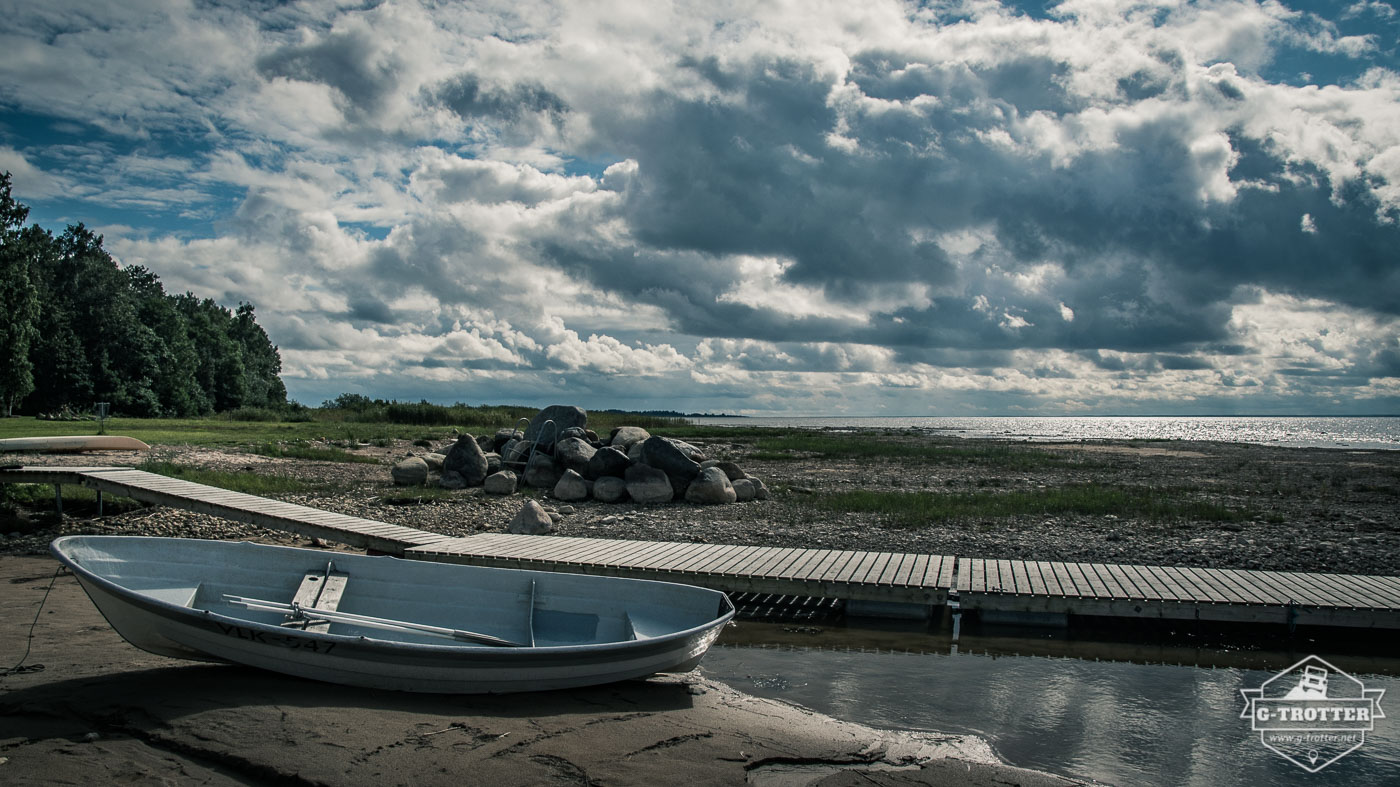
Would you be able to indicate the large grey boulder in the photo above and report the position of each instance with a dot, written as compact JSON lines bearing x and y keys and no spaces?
{"x":531,"y":520}
{"x":711,"y":487}
{"x":572,"y":487}
{"x":466,"y":457}
{"x":607,"y":462}
{"x":542,"y":472}
{"x":502,"y":483}
{"x":564,"y":417}
{"x":573,"y":454}
{"x":648,"y":485}
{"x":493,"y":463}
{"x":625,"y":436}
{"x":412,"y":471}
{"x":662,"y":454}
{"x":610,"y":489}
{"x":434,"y":461}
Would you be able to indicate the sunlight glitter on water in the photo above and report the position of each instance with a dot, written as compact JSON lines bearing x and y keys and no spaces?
{"x":1299,"y":432}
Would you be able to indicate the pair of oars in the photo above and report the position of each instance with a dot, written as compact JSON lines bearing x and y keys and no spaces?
{"x":298,"y":612}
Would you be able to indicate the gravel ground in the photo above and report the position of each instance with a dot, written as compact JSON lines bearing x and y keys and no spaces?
{"x":1327,"y":510}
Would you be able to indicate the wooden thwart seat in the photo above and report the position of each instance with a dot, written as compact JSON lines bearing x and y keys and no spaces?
{"x":318,"y":590}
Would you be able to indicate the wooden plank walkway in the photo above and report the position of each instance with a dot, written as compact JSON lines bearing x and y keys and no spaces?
{"x":983,"y":585}
{"x":1229,"y":595}
{"x":237,"y":506}
{"x":847,"y":574}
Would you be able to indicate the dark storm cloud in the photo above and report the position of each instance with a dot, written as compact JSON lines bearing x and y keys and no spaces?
{"x":466,"y":96}
{"x":1151,"y":263}
{"x":344,"y":60}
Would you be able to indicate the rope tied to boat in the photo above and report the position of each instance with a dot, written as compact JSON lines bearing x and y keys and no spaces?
{"x":21,"y":668}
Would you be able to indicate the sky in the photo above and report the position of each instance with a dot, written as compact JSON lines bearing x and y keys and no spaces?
{"x":780,"y":208}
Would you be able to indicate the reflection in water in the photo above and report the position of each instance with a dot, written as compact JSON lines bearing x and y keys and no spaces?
{"x":1152,"y":718}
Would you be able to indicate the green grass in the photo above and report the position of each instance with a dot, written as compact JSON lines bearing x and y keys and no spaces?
{"x":220,"y":432}
{"x":249,"y":483}
{"x":76,"y":499}
{"x":309,"y":452}
{"x":924,"y":508}
{"x":795,"y":446}
{"x":325,"y":426}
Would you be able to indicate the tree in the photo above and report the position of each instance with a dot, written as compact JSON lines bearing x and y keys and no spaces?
{"x":19,"y":301}
{"x":113,"y":334}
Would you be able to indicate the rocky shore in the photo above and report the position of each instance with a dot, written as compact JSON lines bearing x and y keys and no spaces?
{"x":1292,"y":509}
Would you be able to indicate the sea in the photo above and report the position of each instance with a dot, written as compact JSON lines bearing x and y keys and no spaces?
{"x":1364,"y":432}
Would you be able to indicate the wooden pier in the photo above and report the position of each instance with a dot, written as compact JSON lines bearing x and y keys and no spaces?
{"x":852,"y":575}
{"x":237,"y":506}
{"x":1170,"y":592}
{"x":1009,"y":588}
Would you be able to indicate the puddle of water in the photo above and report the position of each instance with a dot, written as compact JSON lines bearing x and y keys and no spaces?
{"x":1125,"y":713}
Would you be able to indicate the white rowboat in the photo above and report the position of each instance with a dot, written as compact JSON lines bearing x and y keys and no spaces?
{"x":61,"y":444}
{"x":383,"y":622}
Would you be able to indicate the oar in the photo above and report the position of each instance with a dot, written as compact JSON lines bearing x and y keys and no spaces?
{"x":298,"y":611}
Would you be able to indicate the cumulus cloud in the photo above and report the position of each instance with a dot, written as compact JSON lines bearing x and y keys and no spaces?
{"x":800,"y":206}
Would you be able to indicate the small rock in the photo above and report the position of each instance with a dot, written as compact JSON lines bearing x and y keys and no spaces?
{"x":466,"y":457}
{"x":647,"y":484}
{"x":502,"y":483}
{"x":744,"y":490}
{"x":625,"y":437}
{"x":572,"y":486}
{"x":610,"y":489}
{"x":567,"y":510}
{"x":730,"y":469}
{"x":91,"y":736}
{"x":531,"y":520}
{"x":710,"y":488}
{"x":662,"y":454}
{"x":504,"y":436}
{"x":608,"y":462}
{"x":760,"y":489}
{"x":542,"y":472}
{"x":434,"y":461}
{"x":576,"y":433}
{"x":555,"y":518}
{"x":574,"y":454}
{"x":410,"y":472}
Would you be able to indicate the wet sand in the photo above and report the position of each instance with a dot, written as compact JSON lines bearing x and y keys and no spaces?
{"x":102,"y":712}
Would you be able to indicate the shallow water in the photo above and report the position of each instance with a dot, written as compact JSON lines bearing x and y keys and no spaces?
{"x":1299,"y":432}
{"x":1126,"y":722}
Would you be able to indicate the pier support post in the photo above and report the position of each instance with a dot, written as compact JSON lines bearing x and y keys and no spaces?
{"x":58,"y":498}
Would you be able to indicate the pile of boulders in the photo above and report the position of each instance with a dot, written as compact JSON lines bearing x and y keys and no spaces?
{"x":559,"y":453}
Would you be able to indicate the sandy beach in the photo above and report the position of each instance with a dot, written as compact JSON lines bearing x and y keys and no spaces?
{"x":103,"y":712}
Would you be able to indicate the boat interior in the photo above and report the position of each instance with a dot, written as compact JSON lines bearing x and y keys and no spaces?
{"x":402,"y":601}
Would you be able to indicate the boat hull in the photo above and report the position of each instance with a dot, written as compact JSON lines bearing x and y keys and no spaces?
{"x":174,"y":622}
{"x":72,"y":444}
